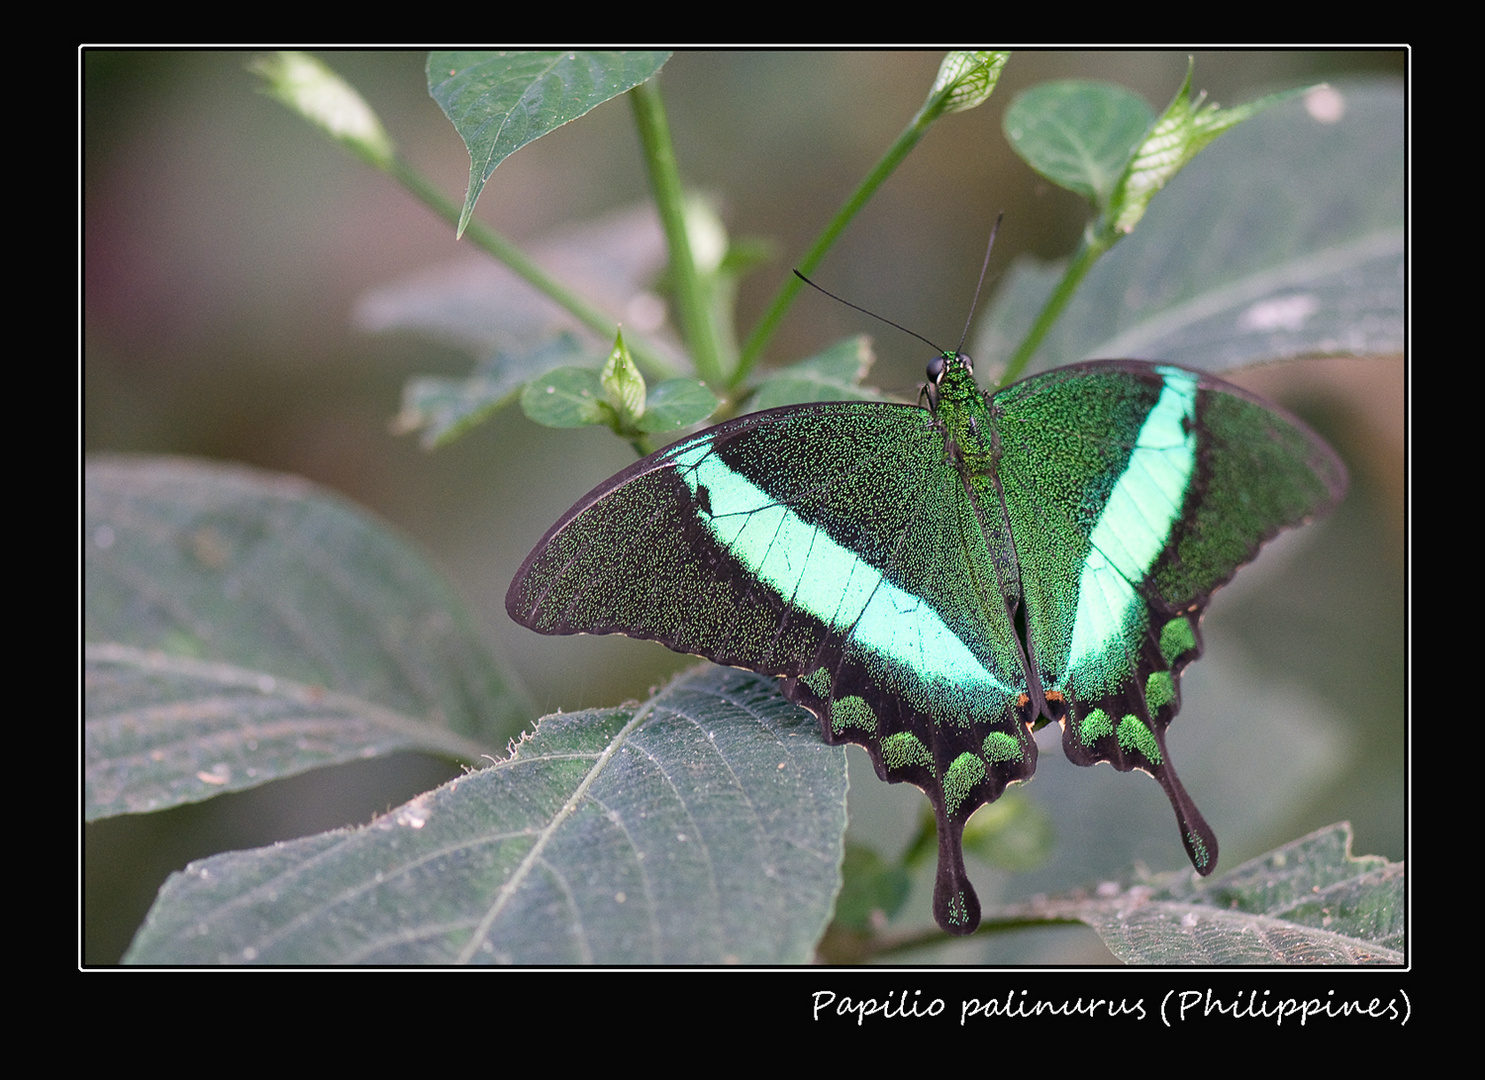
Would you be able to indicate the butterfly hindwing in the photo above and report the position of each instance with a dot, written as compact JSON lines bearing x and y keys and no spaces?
{"x":1134,"y":491}
{"x":837,"y":546}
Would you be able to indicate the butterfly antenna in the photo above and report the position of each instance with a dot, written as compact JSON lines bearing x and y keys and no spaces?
{"x":979,"y":284}
{"x":863,"y":311}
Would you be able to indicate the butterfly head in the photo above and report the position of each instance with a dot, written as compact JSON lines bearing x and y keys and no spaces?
{"x":939,"y":368}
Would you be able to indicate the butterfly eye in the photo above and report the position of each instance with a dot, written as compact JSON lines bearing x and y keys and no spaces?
{"x":963,"y":358}
{"x":936,"y":368}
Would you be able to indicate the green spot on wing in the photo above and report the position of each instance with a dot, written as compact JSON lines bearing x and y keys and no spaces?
{"x":1176,"y":639}
{"x":1000,"y":747}
{"x":903,"y":750}
{"x":960,"y":778}
{"x":818,"y":681}
{"x":957,"y":913}
{"x":1095,"y":726}
{"x":1135,"y":735}
{"x":852,"y":712}
{"x":1160,"y":689}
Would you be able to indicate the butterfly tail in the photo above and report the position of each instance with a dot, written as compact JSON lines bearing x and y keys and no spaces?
{"x":955,"y":905}
{"x":1133,"y":743}
{"x":1196,"y":834}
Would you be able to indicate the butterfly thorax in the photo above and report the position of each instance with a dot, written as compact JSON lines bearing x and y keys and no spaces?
{"x":962,"y":412}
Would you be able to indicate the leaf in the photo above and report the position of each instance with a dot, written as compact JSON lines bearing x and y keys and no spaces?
{"x":574,"y":397}
{"x":564,"y":398}
{"x":1182,"y":132}
{"x":972,"y":77}
{"x":322,"y":97}
{"x":1078,"y":133}
{"x":704,"y":827}
{"x":444,"y":408}
{"x":1308,"y":902}
{"x":833,"y":375}
{"x":500,"y":101}
{"x":677,"y":403}
{"x":240,"y":627}
{"x":1282,"y":239}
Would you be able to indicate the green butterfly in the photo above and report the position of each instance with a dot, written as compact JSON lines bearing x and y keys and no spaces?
{"x":937,"y":583}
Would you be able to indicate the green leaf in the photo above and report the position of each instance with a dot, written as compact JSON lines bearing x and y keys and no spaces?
{"x":676,"y":404}
{"x":833,"y":375}
{"x":326,"y":100}
{"x":1078,"y":134}
{"x":574,"y":397}
{"x":1284,"y":239}
{"x":703,"y":827}
{"x":1308,"y":902}
{"x":240,"y":627}
{"x":500,"y":101}
{"x":972,"y":77}
{"x":565,"y":397}
{"x":444,"y":408}
{"x":1179,"y":135}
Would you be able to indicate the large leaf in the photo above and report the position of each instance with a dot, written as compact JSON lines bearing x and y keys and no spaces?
{"x":240,"y":627}
{"x":702,"y":827}
{"x":1307,"y":903}
{"x":500,"y":101}
{"x":1283,"y":238}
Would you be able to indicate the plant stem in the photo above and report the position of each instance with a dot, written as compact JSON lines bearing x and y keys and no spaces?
{"x":758,"y":340}
{"x":665,"y":181}
{"x":491,"y":242}
{"x":1088,"y":253}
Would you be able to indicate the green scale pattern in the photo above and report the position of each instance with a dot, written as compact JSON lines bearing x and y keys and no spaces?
{"x":936,"y":584}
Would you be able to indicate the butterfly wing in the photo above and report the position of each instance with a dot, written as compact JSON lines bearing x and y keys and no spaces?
{"x":1134,"y":491}
{"x":834,"y":545}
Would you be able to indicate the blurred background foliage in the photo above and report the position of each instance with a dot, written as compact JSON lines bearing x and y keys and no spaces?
{"x":226,"y":245}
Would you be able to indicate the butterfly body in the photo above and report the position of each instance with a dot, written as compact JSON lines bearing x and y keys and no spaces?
{"x":936,"y":583}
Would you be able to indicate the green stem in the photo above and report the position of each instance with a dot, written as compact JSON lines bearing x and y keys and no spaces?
{"x":665,"y":181}
{"x":1088,"y":254}
{"x":758,"y":340}
{"x":488,"y":240}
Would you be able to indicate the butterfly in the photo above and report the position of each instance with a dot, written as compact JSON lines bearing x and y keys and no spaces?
{"x":937,"y":582}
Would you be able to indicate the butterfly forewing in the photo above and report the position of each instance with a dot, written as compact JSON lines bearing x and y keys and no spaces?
{"x":835,"y":545}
